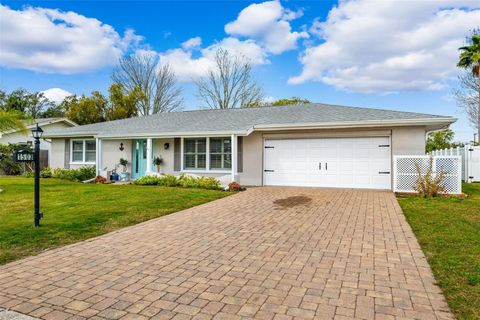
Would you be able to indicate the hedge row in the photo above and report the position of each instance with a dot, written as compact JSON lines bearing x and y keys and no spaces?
{"x":80,"y":174}
{"x":184,"y":181}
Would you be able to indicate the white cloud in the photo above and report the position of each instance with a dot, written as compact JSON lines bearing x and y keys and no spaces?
{"x":268,"y":23}
{"x":389,"y":46}
{"x":52,"y":41}
{"x":185,"y":66}
{"x":192,"y":43}
{"x":264,"y":28}
{"x":56,"y":94}
{"x":195,"y":62}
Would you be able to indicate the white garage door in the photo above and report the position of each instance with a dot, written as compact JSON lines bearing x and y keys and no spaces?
{"x":332,"y":162}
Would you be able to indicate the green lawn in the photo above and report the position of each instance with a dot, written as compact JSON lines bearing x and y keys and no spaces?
{"x":75,"y":211}
{"x":448,"y":230}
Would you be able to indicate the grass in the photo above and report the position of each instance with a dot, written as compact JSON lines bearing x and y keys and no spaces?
{"x":74,"y":211}
{"x":448,"y":229}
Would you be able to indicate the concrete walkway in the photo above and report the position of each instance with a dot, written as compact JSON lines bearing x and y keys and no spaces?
{"x":267,"y":253}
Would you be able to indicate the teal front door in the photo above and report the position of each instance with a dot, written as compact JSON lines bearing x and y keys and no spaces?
{"x":139,"y":157}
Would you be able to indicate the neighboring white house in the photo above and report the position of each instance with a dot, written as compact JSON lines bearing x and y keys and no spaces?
{"x":47,"y":124}
{"x":314,"y":145}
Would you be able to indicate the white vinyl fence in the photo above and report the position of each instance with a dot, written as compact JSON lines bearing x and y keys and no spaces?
{"x":470,"y":161}
{"x":405,"y":174}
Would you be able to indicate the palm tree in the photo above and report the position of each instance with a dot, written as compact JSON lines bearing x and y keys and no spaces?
{"x":470,"y":55}
{"x":470,"y":59}
{"x":10,"y":120}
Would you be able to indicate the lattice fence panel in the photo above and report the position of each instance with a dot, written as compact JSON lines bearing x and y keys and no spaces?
{"x":406,"y":175}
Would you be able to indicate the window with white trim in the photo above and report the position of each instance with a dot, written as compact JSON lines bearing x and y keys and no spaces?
{"x":83,"y":151}
{"x":195,"y":153}
{"x":220,"y":153}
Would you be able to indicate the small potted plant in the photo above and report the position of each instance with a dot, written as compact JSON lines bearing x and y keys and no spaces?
{"x":124,"y":176}
{"x":158,"y":161}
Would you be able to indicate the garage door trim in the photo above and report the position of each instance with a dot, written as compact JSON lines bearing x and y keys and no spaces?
{"x":390,"y":155}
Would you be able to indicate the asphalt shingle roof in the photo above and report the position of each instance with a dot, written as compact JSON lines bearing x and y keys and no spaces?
{"x":239,"y":120}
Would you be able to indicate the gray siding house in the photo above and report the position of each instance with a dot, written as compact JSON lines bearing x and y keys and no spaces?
{"x":314,"y":145}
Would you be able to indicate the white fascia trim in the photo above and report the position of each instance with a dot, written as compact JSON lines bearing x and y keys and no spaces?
{"x":69,"y":136}
{"x":55,"y":121}
{"x":33,"y":125}
{"x":174,"y":135}
{"x":356,"y":124}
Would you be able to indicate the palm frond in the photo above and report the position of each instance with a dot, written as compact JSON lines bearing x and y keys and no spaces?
{"x":11,"y":121}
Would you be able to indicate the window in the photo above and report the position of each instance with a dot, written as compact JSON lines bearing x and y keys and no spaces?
{"x":195,"y":153}
{"x":83,"y":151}
{"x":207,"y":153}
{"x":77,"y":151}
{"x":90,"y":150}
{"x":220,"y":153}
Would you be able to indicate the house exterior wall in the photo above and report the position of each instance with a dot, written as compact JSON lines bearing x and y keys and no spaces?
{"x":57,"y":153}
{"x":18,"y":137}
{"x":404,"y":141}
{"x":408,"y":141}
{"x":111,"y":154}
{"x":167,"y":155}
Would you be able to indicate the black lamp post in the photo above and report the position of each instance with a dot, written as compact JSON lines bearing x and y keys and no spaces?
{"x":37,"y":134}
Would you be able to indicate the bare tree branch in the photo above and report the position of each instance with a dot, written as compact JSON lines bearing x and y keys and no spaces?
{"x":229,"y":84}
{"x":157,"y":83}
{"x":468,"y":98}
{"x":168,"y":97}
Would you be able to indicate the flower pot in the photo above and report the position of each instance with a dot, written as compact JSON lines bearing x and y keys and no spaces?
{"x":124,"y":176}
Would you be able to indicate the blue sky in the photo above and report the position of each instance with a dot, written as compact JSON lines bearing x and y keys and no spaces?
{"x":387,"y":54}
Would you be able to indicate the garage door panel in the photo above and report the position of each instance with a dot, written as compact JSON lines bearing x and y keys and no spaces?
{"x":329,"y":162}
{"x":345,"y":165}
{"x":347,"y":152}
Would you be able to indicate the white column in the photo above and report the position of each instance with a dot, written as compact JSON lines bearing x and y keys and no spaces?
{"x":234,"y":157}
{"x":207,"y":160}
{"x":149,"y":156}
{"x":98,"y":155}
{"x":181,"y":154}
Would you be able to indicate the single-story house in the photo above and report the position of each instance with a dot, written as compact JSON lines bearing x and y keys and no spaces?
{"x":18,"y":137}
{"x":315,"y":145}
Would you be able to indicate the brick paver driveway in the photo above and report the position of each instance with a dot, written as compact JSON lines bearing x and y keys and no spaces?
{"x":267,"y":253}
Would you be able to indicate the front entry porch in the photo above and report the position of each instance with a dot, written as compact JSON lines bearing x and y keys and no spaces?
{"x":199,"y":156}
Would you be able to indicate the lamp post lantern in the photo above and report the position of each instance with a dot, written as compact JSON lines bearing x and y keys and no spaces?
{"x":37,"y":134}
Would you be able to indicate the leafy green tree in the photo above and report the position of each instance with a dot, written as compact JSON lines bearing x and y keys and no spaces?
{"x":290,"y":101}
{"x":31,"y":105}
{"x":85,"y":110}
{"x":438,"y":140}
{"x":122,"y":104}
{"x":469,"y":97}
{"x":54,"y":111}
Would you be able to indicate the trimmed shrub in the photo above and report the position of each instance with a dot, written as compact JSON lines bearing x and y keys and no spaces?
{"x":148,"y":181}
{"x":7,"y":165}
{"x":169,"y":180}
{"x":209,"y":183}
{"x":28,"y":174}
{"x":184,"y":181}
{"x":80,"y":174}
{"x":46,"y":172}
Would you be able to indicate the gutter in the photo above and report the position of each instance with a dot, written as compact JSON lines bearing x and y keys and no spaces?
{"x":152,"y":135}
{"x":356,"y":124}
